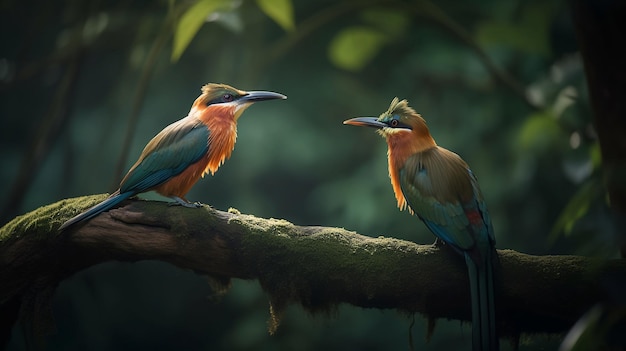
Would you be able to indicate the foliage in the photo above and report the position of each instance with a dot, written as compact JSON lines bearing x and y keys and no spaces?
{"x":191,"y":21}
{"x":354,"y":47}
{"x":281,"y":11}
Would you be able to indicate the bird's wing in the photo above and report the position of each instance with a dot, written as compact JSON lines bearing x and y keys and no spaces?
{"x":440,"y":189}
{"x":481,"y":207}
{"x":170,"y":152}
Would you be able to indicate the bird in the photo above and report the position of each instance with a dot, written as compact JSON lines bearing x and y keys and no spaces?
{"x":438,"y":186}
{"x":175,"y":159}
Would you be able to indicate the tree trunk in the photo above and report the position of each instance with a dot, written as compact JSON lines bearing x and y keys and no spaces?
{"x":600,"y":27}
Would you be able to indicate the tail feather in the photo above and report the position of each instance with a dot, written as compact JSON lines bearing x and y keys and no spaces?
{"x":97,"y":209}
{"x":484,"y":336}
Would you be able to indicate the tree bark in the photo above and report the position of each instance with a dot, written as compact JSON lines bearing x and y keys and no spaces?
{"x":316,"y":267}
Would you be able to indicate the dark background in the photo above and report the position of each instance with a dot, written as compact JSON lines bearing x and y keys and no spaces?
{"x":499,"y":82}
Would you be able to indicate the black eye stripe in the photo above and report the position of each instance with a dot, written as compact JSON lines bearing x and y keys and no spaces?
{"x":395,"y":123}
{"x":223,"y":98}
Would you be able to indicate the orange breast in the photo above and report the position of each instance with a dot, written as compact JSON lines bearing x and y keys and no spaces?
{"x":397,"y":153}
{"x":394,"y":175}
{"x":400,"y":147}
{"x":221,"y":144}
{"x":181,"y":184}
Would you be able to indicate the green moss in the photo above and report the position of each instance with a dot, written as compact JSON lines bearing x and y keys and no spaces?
{"x":311,"y":266}
{"x":183,"y":220}
{"x":44,"y":220}
{"x":233,"y":210}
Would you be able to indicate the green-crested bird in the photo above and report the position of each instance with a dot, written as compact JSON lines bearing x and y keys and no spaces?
{"x":439,"y":187}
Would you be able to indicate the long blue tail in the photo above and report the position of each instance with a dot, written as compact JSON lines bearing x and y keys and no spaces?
{"x":97,"y":209}
{"x":484,"y":335}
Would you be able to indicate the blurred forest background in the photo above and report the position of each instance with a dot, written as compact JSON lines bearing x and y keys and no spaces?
{"x":85,"y":84}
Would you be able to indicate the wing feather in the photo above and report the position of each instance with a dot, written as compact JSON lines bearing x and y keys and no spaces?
{"x":440,"y":188}
{"x":169,"y":153}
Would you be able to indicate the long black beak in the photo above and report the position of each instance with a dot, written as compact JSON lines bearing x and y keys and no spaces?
{"x":365,"y":122}
{"x":254,"y":96}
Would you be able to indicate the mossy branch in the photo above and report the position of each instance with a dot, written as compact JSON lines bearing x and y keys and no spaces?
{"x":316,"y":267}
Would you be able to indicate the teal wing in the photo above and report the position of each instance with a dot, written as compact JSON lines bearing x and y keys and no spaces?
{"x":105,"y":205}
{"x":486,"y":229}
{"x":169,"y":153}
{"x":444,"y":193}
{"x":440,"y":188}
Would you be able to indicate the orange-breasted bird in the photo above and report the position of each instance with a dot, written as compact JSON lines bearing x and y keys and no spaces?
{"x":439,"y":187}
{"x":175,"y":159}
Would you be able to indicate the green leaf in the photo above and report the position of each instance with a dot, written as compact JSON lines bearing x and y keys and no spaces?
{"x":354,"y":47}
{"x":281,"y":11}
{"x":540,"y":133}
{"x":596,"y":155}
{"x":390,"y":21}
{"x":190,"y":23}
{"x":601,"y":328}
{"x":576,"y":208}
{"x":229,"y":19}
{"x":529,"y":33}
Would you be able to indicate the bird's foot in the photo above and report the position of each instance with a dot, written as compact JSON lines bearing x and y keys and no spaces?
{"x":439,"y":243}
{"x":182,"y":202}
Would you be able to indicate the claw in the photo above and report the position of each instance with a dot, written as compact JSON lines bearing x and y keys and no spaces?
{"x":182,"y":202}
{"x":438,"y":242}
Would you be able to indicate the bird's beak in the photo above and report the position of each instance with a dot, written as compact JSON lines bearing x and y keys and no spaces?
{"x":365,"y":122}
{"x":254,"y":96}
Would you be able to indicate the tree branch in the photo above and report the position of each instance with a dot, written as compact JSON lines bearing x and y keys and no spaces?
{"x":317,"y":267}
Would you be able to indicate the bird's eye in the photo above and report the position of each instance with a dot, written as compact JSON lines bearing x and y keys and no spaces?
{"x":227,"y":98}
{"x":394,"y":122}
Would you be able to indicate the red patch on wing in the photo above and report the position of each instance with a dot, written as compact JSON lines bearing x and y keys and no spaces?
{"x":474,"y":217}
